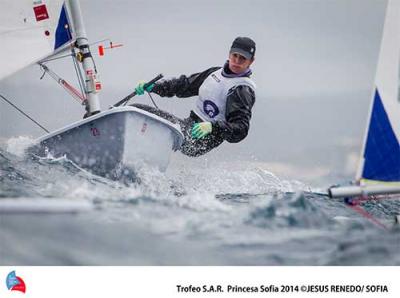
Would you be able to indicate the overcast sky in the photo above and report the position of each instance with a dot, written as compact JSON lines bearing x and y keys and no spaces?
{"x":314,"y":68}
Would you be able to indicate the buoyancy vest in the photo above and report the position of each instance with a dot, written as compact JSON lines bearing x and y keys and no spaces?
{"x":213,"y":93}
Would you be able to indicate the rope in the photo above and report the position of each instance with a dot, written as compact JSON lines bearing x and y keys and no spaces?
{"x":76,"y":66}
{"x":354,"y":204}
{"x":23,"y":113}
{"x":78,"y":73}
{"x":152,"y":100}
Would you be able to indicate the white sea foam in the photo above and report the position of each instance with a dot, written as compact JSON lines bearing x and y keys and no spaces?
{"x":244,"y":213}
{"x":222,"y":180}
{"x":18,"y":145}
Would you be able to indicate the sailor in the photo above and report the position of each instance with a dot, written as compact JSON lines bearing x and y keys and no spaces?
{"x":226,"y":96}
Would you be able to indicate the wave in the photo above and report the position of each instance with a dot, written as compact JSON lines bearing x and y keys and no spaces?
{"x":244,"y":215}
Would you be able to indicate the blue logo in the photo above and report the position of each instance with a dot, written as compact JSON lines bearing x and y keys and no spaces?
{"x":210,"y":108}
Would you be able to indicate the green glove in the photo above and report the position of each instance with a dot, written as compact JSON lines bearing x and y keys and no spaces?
{"x":140,"y":88}
{"x":200,"y":130}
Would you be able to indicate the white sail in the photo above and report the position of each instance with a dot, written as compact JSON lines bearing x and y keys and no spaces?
{"x":379,"y":168}
{"x":31,"y":30}
{"x":380,"y":160}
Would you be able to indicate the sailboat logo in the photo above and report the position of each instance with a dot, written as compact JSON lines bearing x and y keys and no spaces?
{"x":210,"y":108}
{"x":15,"y":283}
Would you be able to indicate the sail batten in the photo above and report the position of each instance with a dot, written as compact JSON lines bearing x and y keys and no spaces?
{"x":31,"y":31}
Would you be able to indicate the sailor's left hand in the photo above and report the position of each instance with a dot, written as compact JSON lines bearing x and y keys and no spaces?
{"x":141,"y":88}
{"x":200,"y":130}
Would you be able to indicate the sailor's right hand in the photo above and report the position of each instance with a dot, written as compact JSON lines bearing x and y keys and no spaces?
{"x":140,"y":88}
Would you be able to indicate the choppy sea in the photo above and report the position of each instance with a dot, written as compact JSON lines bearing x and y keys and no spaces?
{"x":217,"y":215}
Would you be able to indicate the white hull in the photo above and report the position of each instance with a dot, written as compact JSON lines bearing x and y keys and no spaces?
{"x":114,"y":143}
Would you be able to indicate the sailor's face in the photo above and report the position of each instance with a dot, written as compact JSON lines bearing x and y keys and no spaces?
{"x":239,"y":63}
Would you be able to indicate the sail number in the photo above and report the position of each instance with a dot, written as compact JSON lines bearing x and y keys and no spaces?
{"x":95,"y":131}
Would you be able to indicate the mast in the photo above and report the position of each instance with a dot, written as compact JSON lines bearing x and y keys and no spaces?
{"x":90,"y":74}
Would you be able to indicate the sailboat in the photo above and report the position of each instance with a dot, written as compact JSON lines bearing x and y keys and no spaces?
{"x":379,"y":167}
{"x":112,"y":143}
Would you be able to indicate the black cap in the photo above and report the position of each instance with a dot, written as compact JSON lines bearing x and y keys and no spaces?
{"x":244,"y":46}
